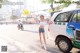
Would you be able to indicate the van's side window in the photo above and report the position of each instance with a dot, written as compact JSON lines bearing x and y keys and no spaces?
{"x":63,"y":17}
{"x":78,"y":18}
{"x":74,"y":18}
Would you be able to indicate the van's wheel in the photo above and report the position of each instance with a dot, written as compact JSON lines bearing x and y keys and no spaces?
{"x":64,"y":45}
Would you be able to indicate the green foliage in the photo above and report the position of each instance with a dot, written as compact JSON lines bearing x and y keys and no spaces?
{"x":1,"y":3}
{"x":1,"y":0}
{"x":65,"y":2}
{"x":47,"y":1}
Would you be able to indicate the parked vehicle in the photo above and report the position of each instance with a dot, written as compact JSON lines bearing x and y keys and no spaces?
{"x":65,"y":29}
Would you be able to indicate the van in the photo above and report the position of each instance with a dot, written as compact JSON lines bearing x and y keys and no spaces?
{"x":65,"y":30}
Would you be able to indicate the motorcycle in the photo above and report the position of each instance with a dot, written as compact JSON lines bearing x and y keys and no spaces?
{"x":20,"y":26}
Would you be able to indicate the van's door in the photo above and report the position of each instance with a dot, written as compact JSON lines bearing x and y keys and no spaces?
{"x":74,"y":24}
{"x":59,"y":24}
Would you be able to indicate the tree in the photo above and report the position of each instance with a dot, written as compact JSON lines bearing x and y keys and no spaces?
{"x":51,"y":1}
{"x":1,"y":1}
{"x":65,"y":2}
{"x":46,"y":1}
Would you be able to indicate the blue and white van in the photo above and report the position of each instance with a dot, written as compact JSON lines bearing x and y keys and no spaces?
{"x":65,"y":29}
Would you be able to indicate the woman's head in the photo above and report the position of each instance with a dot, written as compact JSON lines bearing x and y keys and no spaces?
{"x":41,"y":17}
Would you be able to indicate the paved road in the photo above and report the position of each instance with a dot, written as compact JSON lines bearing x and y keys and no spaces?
{"x":26,"y":41}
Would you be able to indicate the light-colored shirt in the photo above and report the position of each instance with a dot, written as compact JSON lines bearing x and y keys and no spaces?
{"x":42,"y":23}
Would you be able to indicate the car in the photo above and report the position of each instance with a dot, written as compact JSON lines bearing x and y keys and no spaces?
{"x":64,"y":29}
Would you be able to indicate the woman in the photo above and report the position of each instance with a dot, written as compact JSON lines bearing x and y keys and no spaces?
{"x":42,"y":32}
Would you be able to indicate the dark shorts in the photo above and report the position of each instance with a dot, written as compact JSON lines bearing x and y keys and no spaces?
{"x":41,"y":30}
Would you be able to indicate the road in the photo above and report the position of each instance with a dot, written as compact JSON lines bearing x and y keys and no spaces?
{"x":26,"y":41}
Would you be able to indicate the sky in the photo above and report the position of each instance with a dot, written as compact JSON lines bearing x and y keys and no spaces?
{"x":32,"y":5}
{"x":35,"y":5}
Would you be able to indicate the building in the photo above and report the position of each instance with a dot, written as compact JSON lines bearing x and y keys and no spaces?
{"x":10,"y":8}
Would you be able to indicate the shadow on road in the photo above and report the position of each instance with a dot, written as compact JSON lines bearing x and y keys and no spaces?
{"x":41,"y":50}
{"x":31,"y":31}
{"x":50,"y":49}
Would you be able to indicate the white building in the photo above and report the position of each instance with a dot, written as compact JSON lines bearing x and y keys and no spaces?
{"x":8,"y":7}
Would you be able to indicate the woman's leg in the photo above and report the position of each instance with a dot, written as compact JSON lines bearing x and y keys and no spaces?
{"x":40,"y":38}
{"x":44,"y":38}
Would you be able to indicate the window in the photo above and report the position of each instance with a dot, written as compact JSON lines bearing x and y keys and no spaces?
{"x":74,"y":17}
{"x":63,"y":17}
{"x":78,"y":19}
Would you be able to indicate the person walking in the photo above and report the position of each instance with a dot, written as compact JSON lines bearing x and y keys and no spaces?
{"x":42,"y":32}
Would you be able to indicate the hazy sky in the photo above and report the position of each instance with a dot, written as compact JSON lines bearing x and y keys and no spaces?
{"x":32,"y":5}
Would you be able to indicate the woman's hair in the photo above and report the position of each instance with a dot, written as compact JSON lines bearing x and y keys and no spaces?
{"x":42,"y":16}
